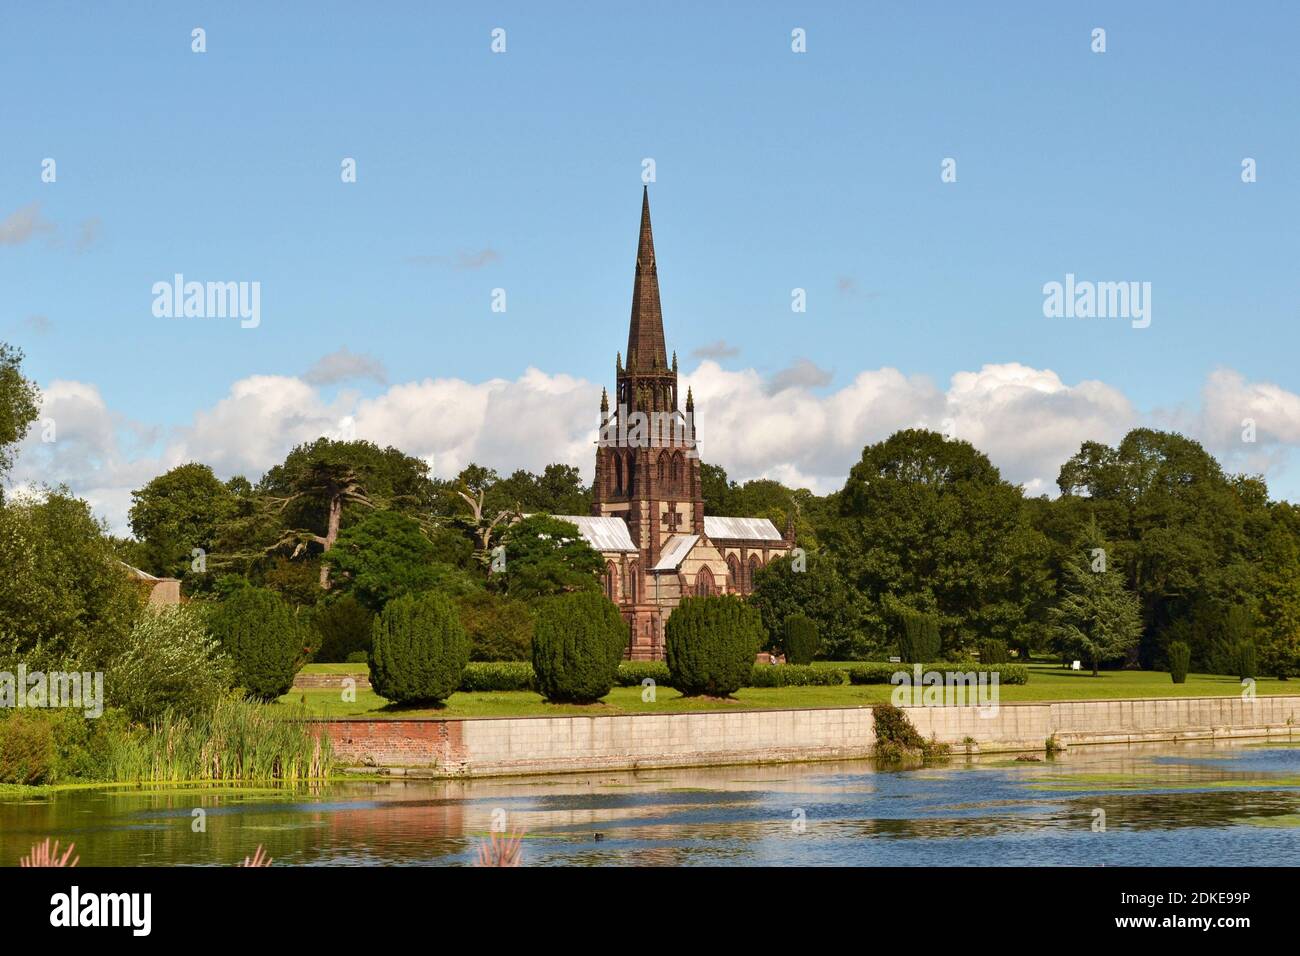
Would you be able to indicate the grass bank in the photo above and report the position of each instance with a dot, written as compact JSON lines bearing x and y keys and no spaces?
{"x":1047,"y":682}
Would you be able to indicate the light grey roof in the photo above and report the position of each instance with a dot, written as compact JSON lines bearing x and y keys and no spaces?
{"x":744,"y":529}
{"x":604,"y":533}
{"x":675,"y":551}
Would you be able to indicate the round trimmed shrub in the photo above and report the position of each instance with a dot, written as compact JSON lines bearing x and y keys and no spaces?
{"x":801,"y":639}
{"x":711,"y":643}
{"x":264,"y":639}
{"x":578,"y":641}
{"x":418,"y":649}
{"x":1180,"y":660}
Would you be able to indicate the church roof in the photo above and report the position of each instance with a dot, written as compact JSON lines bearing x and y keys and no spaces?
{"x":741,"y":529}
{"x":675,"y":551}
{"x":604,"y":533}
{"x":645,"y":334}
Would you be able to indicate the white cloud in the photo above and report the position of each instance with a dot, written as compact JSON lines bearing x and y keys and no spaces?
{"x":1027,"y":420}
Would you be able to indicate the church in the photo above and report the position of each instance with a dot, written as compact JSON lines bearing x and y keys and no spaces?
{"x":648,"y":519}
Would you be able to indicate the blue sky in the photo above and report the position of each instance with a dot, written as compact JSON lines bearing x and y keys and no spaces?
{"x":774,"y":170}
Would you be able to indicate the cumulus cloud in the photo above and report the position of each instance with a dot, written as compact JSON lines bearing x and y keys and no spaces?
{"x":1028,"y":421}
{"x":23,"y":224}
{"x":345,"y":366}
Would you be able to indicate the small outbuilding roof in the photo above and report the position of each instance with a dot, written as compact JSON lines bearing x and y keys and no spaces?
{"x":741,"y":529}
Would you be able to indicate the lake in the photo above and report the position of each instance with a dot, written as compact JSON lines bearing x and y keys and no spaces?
{"x":1158,"y":804}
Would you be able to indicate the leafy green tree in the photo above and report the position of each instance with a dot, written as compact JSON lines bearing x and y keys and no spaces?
{"x":20,"y":402}
{"x":577,"y":643}
{"x":66,"y":601}
{"x":419,"y":650}
{"x":711,"y":643}
{"x":1279,"y":602}
{"x":545,"y":556}
{"x":1186,"y":535}
{"x":177,"y":512}
{"x":917,"y":635}
{"x":929,"y":523}
{"x":321,"y":483}
{"x":822,"y":594}
{"x":387,"y":555}
{"x":264,"y":638}
{"x":169,"y":662}
{"x":1096,"y":616}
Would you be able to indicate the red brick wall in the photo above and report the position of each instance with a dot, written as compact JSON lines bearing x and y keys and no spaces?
{"x":399,"y":743}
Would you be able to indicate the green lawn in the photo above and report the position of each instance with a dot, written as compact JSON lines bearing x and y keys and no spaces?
{"x":1046,"y":682}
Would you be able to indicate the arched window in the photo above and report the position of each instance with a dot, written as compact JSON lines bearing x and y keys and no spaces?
{"x":733,"y":572}
{"x":631,"y":473}
{"x":634,"y":583}
{"x":611,"y":581}
{"x":754,"y":565}
{"x":677,"y":469}
{"x":704,"y":582}
{"x":663,"y":458}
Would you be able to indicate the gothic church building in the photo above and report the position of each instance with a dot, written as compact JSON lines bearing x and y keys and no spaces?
{"x":648,"y":519}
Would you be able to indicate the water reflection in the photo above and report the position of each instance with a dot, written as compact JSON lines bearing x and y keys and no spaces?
{"x":1161,"y":804}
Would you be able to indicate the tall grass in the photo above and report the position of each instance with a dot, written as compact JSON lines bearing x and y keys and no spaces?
{"x":237,"y":740}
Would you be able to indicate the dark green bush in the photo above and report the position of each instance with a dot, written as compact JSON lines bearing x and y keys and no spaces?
{"x":500,"y":627}
{"x":801,"y":639}
{"x":578,"y":640}
{"x":633,"y":673}
{"x":1247,"y":660}
{"x":343,"y":626}
{"x":27,"y":748}
{"x":795,"y":675}
{"x":264,"y":639}
{"x":880,"y":673}
{"x":358,"y":657}
{"x":994,"y":652}
{"x":419,"y":649}
{"x":1180,"y":661}
{"x":498,"y":675}
{"x":711,"y":643}
{"x":918,"y":635}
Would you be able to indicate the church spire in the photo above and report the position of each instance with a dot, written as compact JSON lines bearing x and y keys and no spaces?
{"x":645,"y":336}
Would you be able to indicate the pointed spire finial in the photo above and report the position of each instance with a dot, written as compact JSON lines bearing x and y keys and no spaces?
{"x":645,"y":337}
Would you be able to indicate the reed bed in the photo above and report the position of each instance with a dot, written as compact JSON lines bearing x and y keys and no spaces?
{"x":237,"y":740}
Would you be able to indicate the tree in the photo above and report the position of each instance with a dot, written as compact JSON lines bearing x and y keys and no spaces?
{"x":169,"y":662}
{"x":820,"y":592}
{"x":578,"y":641}
{"x":917,"y":635}
{"x":1096,"y":617}
{"x":929,"y":523}
{"x":177,"y":512}
{"x":66,"y":601}
{"x":545,"y":556}
{"x":20,"y":402}
{"x":387,"y":555}
{"x":320,"y":483}
{"x":711,"y":643}
{"x":264,"y":638}
{"x":1187,"y":536}
{"x":419,"y":650}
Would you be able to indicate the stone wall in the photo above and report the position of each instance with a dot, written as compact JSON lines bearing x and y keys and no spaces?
{"x":519,"y":745}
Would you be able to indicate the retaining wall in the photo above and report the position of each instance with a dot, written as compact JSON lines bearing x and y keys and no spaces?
{"x":515,"y":745}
